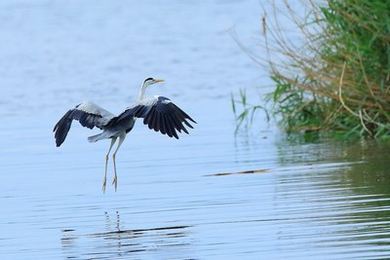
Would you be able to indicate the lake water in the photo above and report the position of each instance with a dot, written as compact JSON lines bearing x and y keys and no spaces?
{"x":209,"y":195}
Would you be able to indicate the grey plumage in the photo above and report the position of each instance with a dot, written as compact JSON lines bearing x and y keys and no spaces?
{"x":158,"y":113}
{"x":88,"y":114}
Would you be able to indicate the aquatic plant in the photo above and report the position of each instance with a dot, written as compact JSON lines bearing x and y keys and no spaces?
{"x":334,"y":75}
{"x":247,"y":111}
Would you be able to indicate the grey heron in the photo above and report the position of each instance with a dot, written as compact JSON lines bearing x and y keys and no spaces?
{"x":158,"y":113}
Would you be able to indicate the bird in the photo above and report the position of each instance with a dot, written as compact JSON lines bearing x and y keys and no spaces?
{"x":159,"y":113}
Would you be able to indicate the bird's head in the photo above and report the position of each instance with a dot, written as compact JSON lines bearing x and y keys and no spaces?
{"x":151,"y":81}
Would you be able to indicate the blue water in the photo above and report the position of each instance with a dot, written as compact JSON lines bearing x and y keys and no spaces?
{"x":186,"y":199}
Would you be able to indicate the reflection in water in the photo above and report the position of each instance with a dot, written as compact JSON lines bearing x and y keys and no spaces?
{"x":117,"y":241}
{"x":257,"y":171}
{"x":342,"y":211}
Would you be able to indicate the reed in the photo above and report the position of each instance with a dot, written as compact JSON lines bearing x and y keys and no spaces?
{"x":334,"y":77}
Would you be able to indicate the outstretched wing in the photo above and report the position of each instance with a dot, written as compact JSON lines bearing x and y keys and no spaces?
{"x":87,"y":113}
{"x":160,"y":114}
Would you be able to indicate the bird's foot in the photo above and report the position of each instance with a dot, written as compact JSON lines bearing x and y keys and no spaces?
{"x":115,"y":182}
{"x":104,"y":186}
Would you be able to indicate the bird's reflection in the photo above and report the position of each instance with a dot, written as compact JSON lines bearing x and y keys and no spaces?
{"x":117,"y":241}
{"x":112,"y":224}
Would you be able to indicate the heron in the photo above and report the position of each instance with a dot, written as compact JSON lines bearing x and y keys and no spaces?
{"x":158,"y":113}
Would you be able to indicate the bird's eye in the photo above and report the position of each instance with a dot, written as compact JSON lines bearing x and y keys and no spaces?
{"x":149,"y":79}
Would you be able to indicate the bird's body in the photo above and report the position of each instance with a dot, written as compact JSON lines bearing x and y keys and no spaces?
{"x":159,"y":113}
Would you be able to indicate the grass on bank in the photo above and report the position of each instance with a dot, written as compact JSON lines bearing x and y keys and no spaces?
{"x":335,"y":78}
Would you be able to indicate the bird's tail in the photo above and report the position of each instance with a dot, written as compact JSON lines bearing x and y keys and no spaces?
{"x":95,"y":138}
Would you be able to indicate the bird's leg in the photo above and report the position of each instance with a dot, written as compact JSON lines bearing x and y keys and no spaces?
{"x":115,"y":180}
{"x":105,"y":168}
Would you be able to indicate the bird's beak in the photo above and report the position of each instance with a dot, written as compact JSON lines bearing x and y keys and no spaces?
{"x":158,"y":80}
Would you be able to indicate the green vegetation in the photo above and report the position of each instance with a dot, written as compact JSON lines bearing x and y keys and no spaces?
{"x":336,"y":77}
{"x":247,"y":114}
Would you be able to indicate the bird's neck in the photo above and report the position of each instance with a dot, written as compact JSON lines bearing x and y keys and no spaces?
{"x":142,"y":92}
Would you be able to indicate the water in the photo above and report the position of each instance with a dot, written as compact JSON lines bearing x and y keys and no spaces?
{"x":210,"y":195}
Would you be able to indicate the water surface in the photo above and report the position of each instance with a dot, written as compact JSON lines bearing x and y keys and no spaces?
{"x":210,"y":195}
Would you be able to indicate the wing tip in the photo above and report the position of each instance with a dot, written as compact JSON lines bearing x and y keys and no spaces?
{"x":192,"y":120}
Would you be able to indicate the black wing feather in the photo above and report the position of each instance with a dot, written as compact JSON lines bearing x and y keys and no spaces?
{"x":178,"y":124}
{"x":183,"y":114}
{"x":151,"y":118}
{"x":168,"y":126}
{"x":160,"y":115}
{"x":172,"y":125}
{"x":163,"y":129}
{"x":174,"y":116}
{"x":158,"y":122}
{"x":62,"y":127}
